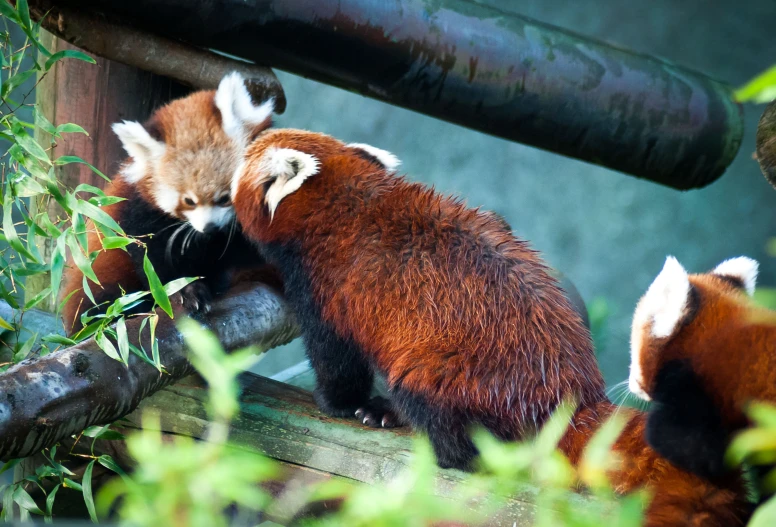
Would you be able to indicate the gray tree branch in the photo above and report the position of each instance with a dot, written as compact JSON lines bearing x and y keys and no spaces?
{"x":47,"y":399}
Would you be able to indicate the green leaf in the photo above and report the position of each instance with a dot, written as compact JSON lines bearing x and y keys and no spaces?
{"x":153,"y":320}
{"x":69,"y":483}
{"x":9,"y":230}
{"x":8,"y":327}
{"x":24,"y":13}
{"x":70,"y":128}
{"x":25,"y":349}
{"x":81,"y":261}
{"x":116,"y":242}
{"x":761,"y":89}
{"x":85,"y":187}
{"x":50,"y":500}
{"x":8,"y":11}
{"x":31,"y":146}
{"x":9,"y":464}
{"x":765,"y":515}
{"x":155,"y":285}
{"x":43,"y":123}
{"x":68,"y":54}
{"x":121,"y":336}
{"x":37,"y":299}
{"x":66,"y":160}
{"x":103,"y":432}
{"x":14,"y":82}
{"x":106,"y":345}
{"x":108,"y":462}
{"x":96,"y":214}
{"x":86,"y":482}
{"x":59,"y":339}
{"x":25,"y":501}
{"x":173,"y":286}
{"x":57,"y":265}
{"x":25,"y":186}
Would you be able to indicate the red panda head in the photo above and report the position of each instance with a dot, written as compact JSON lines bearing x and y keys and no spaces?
{"x":286,"y":171}
{"x":682,"y":315}
{"x":183,"y":158}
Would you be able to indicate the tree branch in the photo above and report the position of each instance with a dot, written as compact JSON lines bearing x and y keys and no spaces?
{"x":47,"y":399}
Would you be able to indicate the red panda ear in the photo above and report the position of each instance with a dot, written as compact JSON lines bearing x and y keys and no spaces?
{"x":239,"y":115}
{"x":144,"y":149}
{"x":389,"y":161}
{"x":666,"y":302}
{"x":741,"y":269}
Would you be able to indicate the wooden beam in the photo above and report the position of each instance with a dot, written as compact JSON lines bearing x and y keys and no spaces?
{"x":283,"y":422}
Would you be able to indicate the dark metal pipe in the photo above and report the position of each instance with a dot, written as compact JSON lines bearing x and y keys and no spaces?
{"x":476,"y":66}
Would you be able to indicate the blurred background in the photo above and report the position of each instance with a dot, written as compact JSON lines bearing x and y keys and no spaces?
{"x":609,"y":233}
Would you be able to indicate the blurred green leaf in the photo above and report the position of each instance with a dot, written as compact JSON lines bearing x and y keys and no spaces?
{"x":761,"y":89}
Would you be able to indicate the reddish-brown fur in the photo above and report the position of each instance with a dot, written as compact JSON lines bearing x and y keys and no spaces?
{"x":443,"y":327}
{"x":525,"y":347}
{"x":677,"y":497}
{"x":729,"y":342}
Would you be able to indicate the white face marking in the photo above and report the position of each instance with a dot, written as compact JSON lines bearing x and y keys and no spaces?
{"x":238,"y":113}
{"x":389,"y":161}
{"x":657,"y":315}
{"x":742,"y":268}
{"x":146,"y":152}
{"x":167,"y":198}
{"x":202,"y":217}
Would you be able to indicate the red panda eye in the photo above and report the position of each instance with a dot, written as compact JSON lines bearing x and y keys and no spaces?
{"x":223,"y":201}
{"x":189,"y":202}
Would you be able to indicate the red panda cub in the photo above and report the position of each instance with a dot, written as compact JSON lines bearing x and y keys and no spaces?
{"x":461,"y":318}
{"x":700,"y":351}
{"x":177,"y":189}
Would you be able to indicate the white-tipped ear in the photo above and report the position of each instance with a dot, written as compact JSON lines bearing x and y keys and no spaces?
{"x":144,"y":149}
{"x":665,"y":302}
{"x":387,"y":159}
{"x":741,"y":268}
{"x":238,"y":113}
{"x":289,"y":168}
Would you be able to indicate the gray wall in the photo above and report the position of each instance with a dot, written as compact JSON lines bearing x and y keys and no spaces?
{"x":608,"y":232}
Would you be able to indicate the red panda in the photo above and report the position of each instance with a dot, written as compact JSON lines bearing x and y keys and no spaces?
{"x":700,"y":351}
{"x":177,"y":189}
{"x":459,"y":316}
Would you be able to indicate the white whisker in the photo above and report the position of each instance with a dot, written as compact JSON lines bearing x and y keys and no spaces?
{"x":171,"y":241}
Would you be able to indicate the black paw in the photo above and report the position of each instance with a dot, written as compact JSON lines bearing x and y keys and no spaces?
{"x":331,"y":409}
{"x":195,"y":297}
{"x":378,"y":413}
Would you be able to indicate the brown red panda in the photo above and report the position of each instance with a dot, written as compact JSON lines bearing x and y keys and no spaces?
{"x":459,"y":316}
{"x":701,"y":350}
{"x":177,"y":189}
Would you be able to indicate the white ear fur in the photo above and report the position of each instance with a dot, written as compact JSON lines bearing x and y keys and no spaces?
{"x":742,"y":268}
{"x":289,"y":168}
{"x":144,"y":149}
{"x":665,"y":302}
{"x":238,"y":113}
{"x":389,"y":161}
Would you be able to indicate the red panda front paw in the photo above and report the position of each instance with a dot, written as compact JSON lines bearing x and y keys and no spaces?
{"x":195,"y":297}
{"x":378,"y":413}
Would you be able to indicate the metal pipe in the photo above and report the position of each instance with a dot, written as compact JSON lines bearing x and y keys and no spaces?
{"x":479,"y":67}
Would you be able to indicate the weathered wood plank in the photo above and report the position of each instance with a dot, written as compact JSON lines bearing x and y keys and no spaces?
{"x":283,"y":422}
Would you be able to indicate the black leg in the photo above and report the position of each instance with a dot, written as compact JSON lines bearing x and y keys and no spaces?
{"x":379,"y":413}
{"x":684,"y":424}
{"x":448,"y":430}
{"x":344,"y":378}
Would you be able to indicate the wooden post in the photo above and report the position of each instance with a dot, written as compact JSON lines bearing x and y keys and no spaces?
{"x":93,"y":96}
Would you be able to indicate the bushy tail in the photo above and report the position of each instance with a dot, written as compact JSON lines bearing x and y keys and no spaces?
{"x":678,"y":497}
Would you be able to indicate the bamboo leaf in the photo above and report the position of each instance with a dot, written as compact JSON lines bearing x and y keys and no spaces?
{"x":176,"y":285}
{"x":70,"y":128}
{"x":81,"y":261}
{"x":96,"y":214}
{"x":9,"y":230}
{"x":155,"y":285}
{"x":86,"y":483}
{"x":30,"y":145}
{"x":6,"y":326}
{"x":24,"y":13}
{"x":761,"y":89}
{"x":37,"y":299}
{"x":108,"y":462}
{"x":57,"y":266}
{"x":14,"y":82}
{"x":121,"y":336}
{"x":106,"y":345}
{"x":25,"y":501}
{"x":153,"y":321}
{"x":50,"y":500}
{"x":59,"y":339}
{"x":66,"y":160}
{"x":8,"y":11}
{"x":68,"y":54}
{"x":43,"y":123}
{"x":116,"y":242}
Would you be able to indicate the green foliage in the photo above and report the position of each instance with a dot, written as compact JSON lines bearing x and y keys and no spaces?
{"x":761,"y":89}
